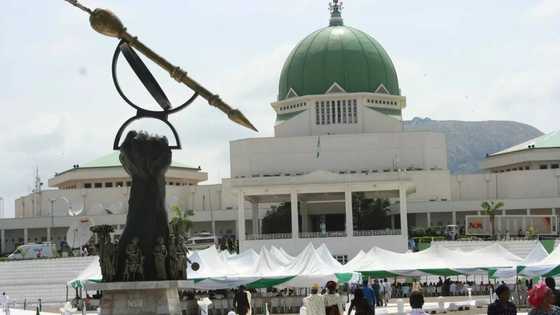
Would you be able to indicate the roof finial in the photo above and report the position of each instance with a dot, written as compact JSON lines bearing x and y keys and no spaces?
{"x":336,"y":18}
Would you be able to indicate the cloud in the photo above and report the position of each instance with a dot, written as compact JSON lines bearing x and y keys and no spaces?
{"x":546,"y":9}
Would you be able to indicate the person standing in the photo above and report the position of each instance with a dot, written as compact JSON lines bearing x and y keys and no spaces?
{"x":416,"y":301}
{"x":314,"y":303}
{"x":542,"y":299}
{"x":369,"y":295}
{"x":4,"y":301}
{"x":388,"y":291}
{"x":502,"y":305}
{"x":377,"y":289}
{"x":242,"y":301}
{"x":361,"y":304}
{"x":334,"y":305}
{"x":552,"y":285}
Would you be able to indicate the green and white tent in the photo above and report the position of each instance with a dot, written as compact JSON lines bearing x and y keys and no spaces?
{"x":269,"y":268}
{"x":537,"y":254}
{"x":91,"y":274}
{"x":436,"y":260}
{"x":547,"y":267}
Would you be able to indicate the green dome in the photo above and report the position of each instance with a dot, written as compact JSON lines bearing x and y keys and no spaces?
{"x":340,"y":54}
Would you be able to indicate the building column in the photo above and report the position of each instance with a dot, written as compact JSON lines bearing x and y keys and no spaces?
{"x":255,"y":217}
{"x":528,"y":211}
{"x":241,"y":216}
{"x":503,"y":211}
{"x":428,"y":219}
{"x":2,"y":241}
{"x":348,"y":211}
{"x":453,"y":217}
{"x":25,"y":236}
{"x":294,"y":214}
{"x":48,"y":234}
{"x":403,"y":210}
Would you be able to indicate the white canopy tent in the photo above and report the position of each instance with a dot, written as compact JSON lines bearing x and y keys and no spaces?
{"x":436,"y":260}
{"x":548,"y":266}
{"x":269,"y":268}
{"x":273,"y":267}
{"x":537,"y":254}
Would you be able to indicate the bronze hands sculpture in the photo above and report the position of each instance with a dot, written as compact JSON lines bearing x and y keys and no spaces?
{"x":146,"y":251}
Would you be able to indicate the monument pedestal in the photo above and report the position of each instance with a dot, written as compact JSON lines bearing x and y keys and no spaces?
{"x":140,"y":298}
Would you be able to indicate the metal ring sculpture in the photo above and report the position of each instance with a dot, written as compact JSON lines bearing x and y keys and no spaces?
{"x":153,"y":88}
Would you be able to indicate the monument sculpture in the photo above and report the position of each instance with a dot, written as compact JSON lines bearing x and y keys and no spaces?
{"x":149,"y":263}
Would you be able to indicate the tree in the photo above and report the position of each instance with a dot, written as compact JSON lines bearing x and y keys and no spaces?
{"x":278,"y":220}
{"x":370,"y":213}
{"x":490,"y":209}
{"x":181,"y":222}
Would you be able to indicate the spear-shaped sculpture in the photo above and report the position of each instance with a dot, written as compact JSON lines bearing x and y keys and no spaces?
{"x":107,"y":23}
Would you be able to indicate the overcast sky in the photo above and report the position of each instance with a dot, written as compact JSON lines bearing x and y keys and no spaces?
{"x":460,"y":60}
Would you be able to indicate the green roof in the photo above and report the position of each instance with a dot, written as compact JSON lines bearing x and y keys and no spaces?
{"x":341,"y":54}
{"x":550,"y":140}
{"x":112,"y":160}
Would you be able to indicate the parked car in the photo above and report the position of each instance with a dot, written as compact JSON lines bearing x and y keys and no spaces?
{"x":34,"y":250}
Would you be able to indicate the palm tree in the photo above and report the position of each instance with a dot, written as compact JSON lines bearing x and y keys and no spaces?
{"x":490,"y":209}
{"x":181,"y":222}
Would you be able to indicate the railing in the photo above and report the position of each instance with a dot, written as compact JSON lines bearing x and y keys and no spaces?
{"x":321,"y":234}
{"x":377,"y":232}
{"x":272,"y":236}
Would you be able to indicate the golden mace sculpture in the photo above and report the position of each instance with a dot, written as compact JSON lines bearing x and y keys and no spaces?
{"x":107,"y":23}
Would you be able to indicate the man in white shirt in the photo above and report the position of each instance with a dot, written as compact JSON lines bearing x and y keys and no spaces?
{"x":388,"y":291}
{"x":334,"y":304}
{"x":4,"y":301}
{"x":314,"y":303}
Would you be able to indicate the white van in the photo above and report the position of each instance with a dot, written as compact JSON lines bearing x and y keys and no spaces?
{"x":201,"y":241}
{"x":33,"y":250}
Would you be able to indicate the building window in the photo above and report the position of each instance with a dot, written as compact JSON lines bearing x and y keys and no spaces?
{"x":526,"y":167}
{"x":343,"y":111}
{"x":322,"y":113}
{"x":333,"y":113}
{"x":87,"y":185}
{"x":543,"y":166}
{"x":328,"y":112}
{"x":128,"y":183}
{"x":349,"y":119}
{"x":98,"y":185}
{"x":554,"y":166}
{"x":316,"y":113}
{"x":343,"y":259}
{"x":355,"y":111}
{"x":119,"y":184}
{"x":108,"y":185}
{"x":338,"y":112}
